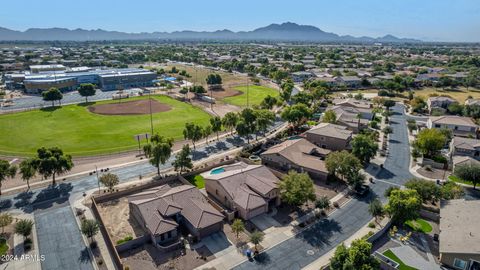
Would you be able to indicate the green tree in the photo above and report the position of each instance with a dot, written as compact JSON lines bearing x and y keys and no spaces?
{"x":216,"y":123}
{"x":159,"y":150}
{"x":256,"y":238}
{"x":230,"y":120}
{"x":7,"y":170}
{"x":375,"y":208}
{"x":429,"y":141}
{"x":214,"y":79}
{"x":268,"y":102}
{"x":342,"y":164}
{"x":364,"y":147}
{"x":388,"y":103}
{"x":427,"y":190}
{"x":24,"y":227}
{"x":263,"y":119}
{"x":451,"y":191}
{"x":296,"y":114}
{"x":52,"y":162}
{"x":86,"y":90}
{"x":192,"y":132}
{"x":297,"y":188}
{"x":5,"y":220}
{"x":52,"y":95}
{"x":109,"y":180}
{"x":90,"y":228}
{"x":243,"y":130}
{"x":357,"y":256}
{"x":468,"y":172}
{"x":238,"y":226}
{"x":403,"y":205}
{"x":329,"y":117}
{"x":322,"y":203}
{"x":287,"y":88}
{"x":183,"y":159}
{"x":27,"y":170}
{"x":207,"y":131}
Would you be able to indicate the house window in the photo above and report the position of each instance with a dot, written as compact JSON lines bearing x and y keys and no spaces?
{"x":324,"y":146}
{"x":216,"y":191}
{"x":162,"y":237}
{"x":456,"y":128}
{"x":437,"y":125}
{"x":169,"y":234}
{"x":459,"y":264}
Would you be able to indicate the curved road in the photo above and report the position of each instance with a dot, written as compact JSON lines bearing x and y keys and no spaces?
{"x":328,"y":233}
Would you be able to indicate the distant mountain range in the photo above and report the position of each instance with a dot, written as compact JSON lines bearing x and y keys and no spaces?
{"x":274,"y":32}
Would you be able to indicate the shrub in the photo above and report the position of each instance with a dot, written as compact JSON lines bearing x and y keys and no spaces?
{"x":371,"y":225}
{"x":126,"y":239}
{"x":336,"y":205}
{"x":440,"y":159}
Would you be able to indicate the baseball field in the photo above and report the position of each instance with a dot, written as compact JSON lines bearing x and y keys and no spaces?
{"x":95,"y":128}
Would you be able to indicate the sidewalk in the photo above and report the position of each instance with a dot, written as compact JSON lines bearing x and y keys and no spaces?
{"x":27,"y":263}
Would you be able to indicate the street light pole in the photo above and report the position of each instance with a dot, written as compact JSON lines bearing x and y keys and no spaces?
{"x":98,"y":179}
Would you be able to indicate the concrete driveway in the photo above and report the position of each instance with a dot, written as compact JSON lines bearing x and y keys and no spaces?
{"x":264,"y":221}
{"x":217,"y":243}
{"x":60,"y":240}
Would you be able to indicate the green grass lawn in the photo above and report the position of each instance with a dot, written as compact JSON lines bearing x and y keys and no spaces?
{"x":3,"y":246}
{"x":419,"y":225}
{"x":80,"y":133}
{"x":393,"y":257}
{"x":456,"y":179}
{"x":256,"y":94}
{"x":196,"y":180}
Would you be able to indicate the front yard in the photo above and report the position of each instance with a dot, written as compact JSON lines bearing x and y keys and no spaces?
{"x":196,"y":180}
{"x":419,"y":225}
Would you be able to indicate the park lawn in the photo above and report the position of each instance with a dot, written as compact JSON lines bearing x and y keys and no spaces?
{"x":456,"y":179}
{"x":199,"y":75}
{"x":196,"y":180}
{"x":393,"y":257}
{"x":256,"y":94}
{"x":460,"y":94}
{"x":3,"y":246}
{"x":81,"y":133}
{"x":419,"y":225}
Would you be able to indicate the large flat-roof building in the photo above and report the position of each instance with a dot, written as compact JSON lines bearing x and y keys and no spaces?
{"x":66,"y":80}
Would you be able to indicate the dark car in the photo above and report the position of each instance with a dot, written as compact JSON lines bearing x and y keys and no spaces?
{"x":362,"y":190}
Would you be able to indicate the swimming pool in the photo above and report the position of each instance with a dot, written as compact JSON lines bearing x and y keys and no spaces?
{"x":217,"y":171}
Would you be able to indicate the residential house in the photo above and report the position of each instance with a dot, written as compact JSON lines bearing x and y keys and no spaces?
{"x":249,"y":190}
{"x":459,"y":242}
{"x":301,"y":76}
{"x":463,"y":160}
{"x":355,"y":119}
{"x":350,"y":81}
{"x":161,"y":211}
{"x":465,"y":147}
{"x":472,"y":102}
{"x":330,"y":136}
{"x":299,"y":155}
{"x":459,"y":125}
{"x":439,"y":102}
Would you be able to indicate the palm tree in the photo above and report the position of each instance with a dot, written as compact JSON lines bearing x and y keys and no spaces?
{"x":216,"y":123}
{"x":256,"y":237}
{"x":27,"y":170}
{"x":238,"y":226}
{"x":24,"y":227}
{"x":230,"y":121}
{"x":7,"y":170}
{"x":207,"y":131}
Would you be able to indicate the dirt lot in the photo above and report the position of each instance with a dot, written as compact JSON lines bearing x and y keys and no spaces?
{"x":149,"y":258}
{"x":116,"y":217}
{"x":136,"y":107}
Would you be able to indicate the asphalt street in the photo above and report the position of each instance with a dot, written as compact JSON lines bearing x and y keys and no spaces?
{"x":312,"y":243}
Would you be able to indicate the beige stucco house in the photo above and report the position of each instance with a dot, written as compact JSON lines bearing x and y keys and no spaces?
{"x":330,"y":136}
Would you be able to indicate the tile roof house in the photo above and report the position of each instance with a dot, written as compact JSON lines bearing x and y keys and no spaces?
{"x":354,"y":119}
{"x":459,"y":125}
{"x":161,"y":210}
{"x":459,"y":242}
{"x":330,"y":136}
{"x":439,"y":103}
{"x":465,"y":147}
{"x":249,"y":190}
{"x":299,"y":155}
{"x":472,"y":102}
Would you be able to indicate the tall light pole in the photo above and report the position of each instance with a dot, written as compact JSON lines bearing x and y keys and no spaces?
{"x":151,"y":116}
{"x":247,"y":92}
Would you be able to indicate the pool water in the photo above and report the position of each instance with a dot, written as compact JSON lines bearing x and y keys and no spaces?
{"x":217,"y":171}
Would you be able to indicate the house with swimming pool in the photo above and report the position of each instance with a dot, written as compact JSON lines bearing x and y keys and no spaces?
{"x":247,"y":190}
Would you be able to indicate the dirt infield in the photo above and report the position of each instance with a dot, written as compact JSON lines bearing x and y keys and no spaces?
{"x":136,"y":107}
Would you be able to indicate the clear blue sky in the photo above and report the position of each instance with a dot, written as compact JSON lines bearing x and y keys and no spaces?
{"x":439,"y":20}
